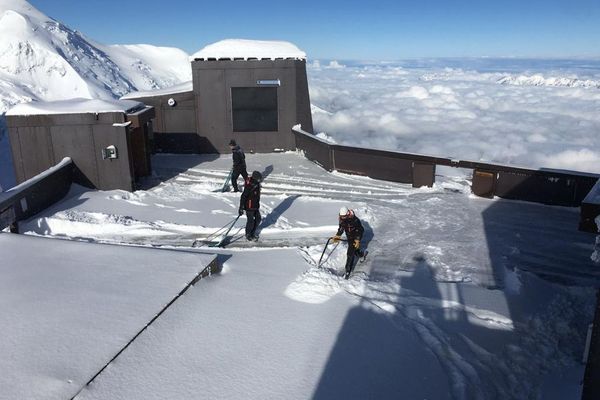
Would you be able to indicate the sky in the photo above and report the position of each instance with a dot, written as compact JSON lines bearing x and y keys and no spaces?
{"x":349,"y":29}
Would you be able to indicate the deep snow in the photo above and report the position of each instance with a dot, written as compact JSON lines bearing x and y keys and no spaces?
{"x":461,"y":297}
{"x":69,"y":307}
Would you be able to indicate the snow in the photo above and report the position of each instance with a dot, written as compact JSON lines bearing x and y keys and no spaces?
{"x":540,"y":80}
{"x":461,"y":297}
{"x":70,"y":307}
{"x":179,"y":88}
{"x":150,"y":67}
{"x":245,"y":49}
{"x":596,"y":254}
{"x":74,"y":106}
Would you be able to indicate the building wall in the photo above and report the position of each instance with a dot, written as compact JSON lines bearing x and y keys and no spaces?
{"x":174,"y":125}
{"x":39,"y":142}
{"x":212,"y":82}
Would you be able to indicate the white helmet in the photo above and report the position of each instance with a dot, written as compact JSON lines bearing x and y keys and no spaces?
{"x":343,"y":211}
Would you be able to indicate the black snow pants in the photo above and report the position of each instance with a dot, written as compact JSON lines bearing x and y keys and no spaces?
{"x":352,"y":252}
{"x":252,"y":221}
{"x":235,"y":175}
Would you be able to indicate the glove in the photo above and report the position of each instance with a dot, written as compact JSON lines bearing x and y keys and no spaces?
{"x":336,"y":238}
{"x":356,"y":243}
{"x":241,"y":211}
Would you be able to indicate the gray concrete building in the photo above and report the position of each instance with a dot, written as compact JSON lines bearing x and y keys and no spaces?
{"x":251,"y":91}
{"x":108,"y":141}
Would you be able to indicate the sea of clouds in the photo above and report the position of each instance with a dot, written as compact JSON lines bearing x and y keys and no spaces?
{"x":533,"y":113}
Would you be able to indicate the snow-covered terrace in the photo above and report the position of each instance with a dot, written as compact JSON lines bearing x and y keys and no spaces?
{"x":461,"y":297}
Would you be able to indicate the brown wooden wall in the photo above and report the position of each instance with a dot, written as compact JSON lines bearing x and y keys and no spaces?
{"x":551,"y":187}
{"x":38,"y":142}
{"x":34,"y":195}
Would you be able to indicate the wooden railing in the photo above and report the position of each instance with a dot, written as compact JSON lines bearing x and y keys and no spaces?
{"x":547,"y":186}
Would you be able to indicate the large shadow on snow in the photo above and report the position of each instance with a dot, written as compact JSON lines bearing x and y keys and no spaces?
{"x":427,"y":330}
{"x":377,"y":355}
{"x":528,"y":238}
{"x":273,"y":216}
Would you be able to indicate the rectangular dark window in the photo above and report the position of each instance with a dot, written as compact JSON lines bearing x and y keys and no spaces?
{"x":254,"y":109}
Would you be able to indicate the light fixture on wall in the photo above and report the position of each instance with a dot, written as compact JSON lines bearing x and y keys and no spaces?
{"x":110,"y":153}
{"x":171,"y":102}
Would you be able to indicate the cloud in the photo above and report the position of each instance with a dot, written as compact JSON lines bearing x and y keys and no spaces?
{"x":462,"y":113}
{"x":584,"y":159}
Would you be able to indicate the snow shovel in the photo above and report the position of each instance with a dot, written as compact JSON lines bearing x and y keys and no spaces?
{"x":225,"y":187}
{"x":323,"y":253}
{"x":222,"y":241}
{"x":213,"y":240}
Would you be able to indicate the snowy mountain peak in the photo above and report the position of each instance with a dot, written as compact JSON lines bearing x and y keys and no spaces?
{"x":42,"y":59}
{"x":21,"y":7}
{"x":13,"y":22}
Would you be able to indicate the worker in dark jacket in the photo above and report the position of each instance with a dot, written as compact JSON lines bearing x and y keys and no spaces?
{"x":250,"y":202}
{"x":354,"y":230}
{"x":239,"y":164}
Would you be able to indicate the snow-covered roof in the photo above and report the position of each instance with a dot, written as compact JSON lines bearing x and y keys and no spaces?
{"x":74,"y":106}
{"x":84,"y":305}
{"x":180,"y":88}
{"x":246,"y":49}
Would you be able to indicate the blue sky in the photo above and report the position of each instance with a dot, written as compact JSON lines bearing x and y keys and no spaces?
{"x":359,"y":30}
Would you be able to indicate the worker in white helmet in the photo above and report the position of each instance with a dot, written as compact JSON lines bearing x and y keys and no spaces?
{"x":354,"y":230}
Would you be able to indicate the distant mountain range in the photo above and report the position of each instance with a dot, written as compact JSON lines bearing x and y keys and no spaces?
{"x":42,"y":59}
{"x":539,"y":80}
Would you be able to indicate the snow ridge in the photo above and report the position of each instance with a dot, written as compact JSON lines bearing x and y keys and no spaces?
{"x":540,"y":80}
